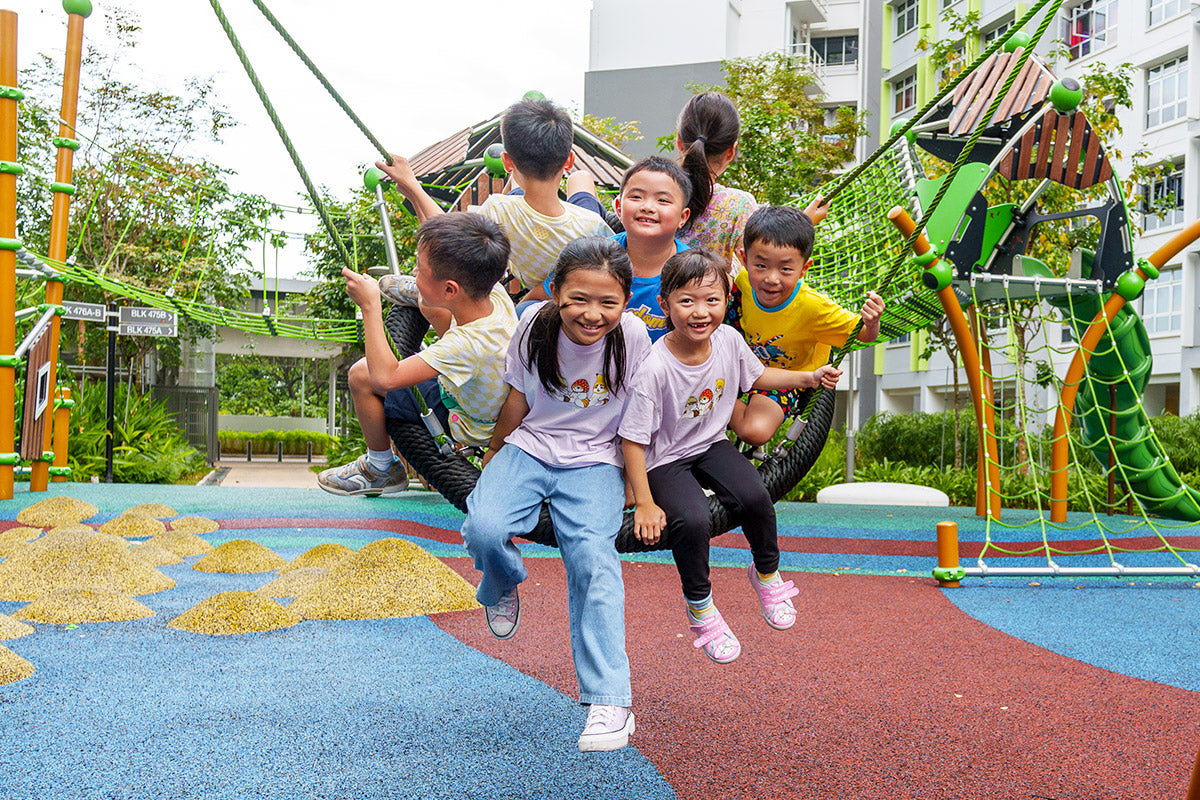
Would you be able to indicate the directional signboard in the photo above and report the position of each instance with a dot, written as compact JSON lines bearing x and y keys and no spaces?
{"x":89,"y":312}
{"x":145,"y":321}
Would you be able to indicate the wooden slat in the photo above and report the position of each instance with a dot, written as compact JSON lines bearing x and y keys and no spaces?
{"x":1049,"y":120}
{"x":440,"y":155}
{"x":1091,"y":162}
{"x":1005,"y":109}
{"x":33,"y":429}
{"x":1061,"y":143}
{"x":1005,"y":167}
{"x":1105,"y":169}
{"x":983,"y":97}
{"x":1026,"y":153}
{"x":976,"y":80}
{"x":1079,"y":130}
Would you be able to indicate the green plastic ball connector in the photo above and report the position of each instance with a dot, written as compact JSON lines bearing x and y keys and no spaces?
{"x":1018,"y":39}
{"x":533,"y":94}
{"x":1130,"y":286}
{"x":81,"y":7}
{"x":493,"y":162}
{"x":1066,"y":94}
{"x":926,"y":258}
{"x":947,"y":574}
{"x":1148,"y":268}
{"x":897,"y":125}
{"x":938,"y":276}
{"x":373,"y":177}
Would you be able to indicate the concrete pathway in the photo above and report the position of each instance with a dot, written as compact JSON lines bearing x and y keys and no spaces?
{"x":286,"y":474}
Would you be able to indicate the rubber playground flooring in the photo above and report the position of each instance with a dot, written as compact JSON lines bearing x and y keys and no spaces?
{"x":887,"y":687}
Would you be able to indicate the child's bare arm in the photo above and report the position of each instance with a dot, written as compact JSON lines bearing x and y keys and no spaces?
{"x":872,"y":310}
{"x":649,"y":521}
{"x":785,"y":379}
{"x":402,"y":173}
{"x":817,"y":209}
{"x":385,"y":370}
{"x":515,"y":407}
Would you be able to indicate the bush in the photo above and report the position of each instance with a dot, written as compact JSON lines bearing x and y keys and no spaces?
{"x":295,"y":443}
{"x":1180,"y":438}
{"x":916,"y":439}
{"x":344,"y":449}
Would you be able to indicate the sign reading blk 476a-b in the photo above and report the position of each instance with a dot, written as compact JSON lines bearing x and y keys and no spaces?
{"x":145,"y":321}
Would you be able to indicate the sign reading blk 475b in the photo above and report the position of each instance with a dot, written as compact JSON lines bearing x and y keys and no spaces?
{"x":145,"y":321}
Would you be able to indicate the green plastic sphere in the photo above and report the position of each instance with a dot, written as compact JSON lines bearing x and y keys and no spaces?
{"x":897,"y":125}
{"x":1066,"y":94}
{"x":1130,"y":286}
{"x":373,"y":177}
{"x":938,"y":276}
{"x":926,"y":258}
{"x":533,"y":94}
{"x":493,"y":162}
{"x":1018,"y":39}
{"x":81,"y":7}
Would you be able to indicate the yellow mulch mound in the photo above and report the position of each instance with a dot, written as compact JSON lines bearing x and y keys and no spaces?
{"x":235,"y":612}
{"x":14,"y":538}
{"x":75,"y":559}
{"x":293,"y":583}
{"x":240,"y":555}
{"x":11,"y":629}
{"x":154,"y":510}
{"x":66,"y":606}
{"x":52,"y":511}
{"x":387,"y":578}
{"x":181,"y":544}
{"x":13,"y":667}
{"x":194,"y":525}
{"x":131,"y":526}
{"x":154,"y":555}
{"x":323,"y":555}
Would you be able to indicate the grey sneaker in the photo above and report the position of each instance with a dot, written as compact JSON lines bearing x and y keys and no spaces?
{"x":607,"y":728}
{"x":503,"y":618}
{"x":400,"y":289}
{"x":359,"y":477}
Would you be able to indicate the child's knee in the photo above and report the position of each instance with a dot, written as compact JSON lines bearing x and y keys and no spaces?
{"x":691,"y":525}
{"x":359,"y":377}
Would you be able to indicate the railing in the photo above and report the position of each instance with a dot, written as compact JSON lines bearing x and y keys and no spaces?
{"x":804,"y":57}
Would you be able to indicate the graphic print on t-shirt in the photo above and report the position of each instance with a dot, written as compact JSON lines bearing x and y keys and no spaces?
{"x":767,"y":351}
{"x":582,"y":394}
{"x":700,"y":405}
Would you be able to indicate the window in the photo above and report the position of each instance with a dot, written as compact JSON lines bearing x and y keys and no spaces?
{"x":837,"y":50}
{"x":1162,"y":202}
{"x":999,"y":30}
{"x":1165,"y":9}
{"x":906,"y":16}
{"x":1166,"y":92}
{"x":1162,"y":303}
{"x":904,"y":94}
{"x":1091,"y":25}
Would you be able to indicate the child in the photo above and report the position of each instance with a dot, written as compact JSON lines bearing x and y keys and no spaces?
{"x":460,"y":257}
{"x":706,"y":136}
{"x":538,"y":137}
{"x":652,"y":205}
{"x":673,"y":437}
{"x":551,"y":445}
{"x":786,"y":323}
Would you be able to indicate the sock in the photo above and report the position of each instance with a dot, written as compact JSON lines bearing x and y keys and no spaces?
{"x":699,"y":609}
{"x":766,"y":579}
{"x":381,"y":460}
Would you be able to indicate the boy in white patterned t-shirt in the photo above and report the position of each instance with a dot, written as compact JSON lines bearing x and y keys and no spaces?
{"x":538,"y":137}
{"x":460,"y":258}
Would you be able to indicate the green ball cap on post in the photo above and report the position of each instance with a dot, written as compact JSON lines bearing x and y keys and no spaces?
{"x":373,"y":177}
{"x":493,"y":161}
{"x":1018,"y":39}
{"x":1066,"y":94}
{"x":533,"y":94}
{"x":897,"y":125}
{"x":938,"y":276}
{"x":81,"y":7}
{"x":1130,"y":285}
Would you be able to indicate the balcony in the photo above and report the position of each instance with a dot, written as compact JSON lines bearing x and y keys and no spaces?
{"x":807,"y":12}
{"x":802,"y":56}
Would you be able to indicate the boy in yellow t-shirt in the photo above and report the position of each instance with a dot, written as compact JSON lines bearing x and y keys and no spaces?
{"x":786,"y":323}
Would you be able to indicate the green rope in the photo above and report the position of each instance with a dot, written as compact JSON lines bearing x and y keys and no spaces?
{"x":337,"y":98}
{"x":287,"y":142}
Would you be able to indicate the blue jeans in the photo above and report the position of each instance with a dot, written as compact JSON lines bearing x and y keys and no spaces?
{"x":401,"y":404}
{"x":585,"y":507}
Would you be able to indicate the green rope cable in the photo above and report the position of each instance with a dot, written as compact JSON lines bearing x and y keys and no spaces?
{"x":337,"y":98}
{"x":287,"y":142}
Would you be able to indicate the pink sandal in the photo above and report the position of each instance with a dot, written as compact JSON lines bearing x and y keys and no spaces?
{"x":714,"y":636}
{"x":775,"y":599}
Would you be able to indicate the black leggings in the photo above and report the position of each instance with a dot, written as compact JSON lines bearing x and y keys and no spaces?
{"x":678,"y":489}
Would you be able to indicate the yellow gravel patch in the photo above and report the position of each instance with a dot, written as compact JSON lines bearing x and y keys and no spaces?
{"x":293,"y":583}
{"x":387,"y":578}
{"x":74,"y":559}
{"x":11,"y":629}
{"x":325,"y":555}
{"x":52,"y":511}
{"x":132,"y":526}
{"x":181,"y":544}
{"x":13,"y":667}
{"x":154,"y":555}
{"x":73,"y":605}
{"x":240,"y":555}
{"x":14,"y":538}
{"x":235,"y":612}
{"x":195,"y":525}
{"x":154,"y":510}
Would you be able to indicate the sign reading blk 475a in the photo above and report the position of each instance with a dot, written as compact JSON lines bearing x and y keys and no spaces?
{"x":145,"y":321}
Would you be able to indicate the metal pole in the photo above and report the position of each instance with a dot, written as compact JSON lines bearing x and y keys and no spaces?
{"x":8,"y":258}
{"x":110,"y":392}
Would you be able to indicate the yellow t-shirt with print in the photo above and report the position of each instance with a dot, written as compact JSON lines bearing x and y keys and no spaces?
{"x":798,"y":334}
{"x":535,"y":240}
{"x":470,"y":363}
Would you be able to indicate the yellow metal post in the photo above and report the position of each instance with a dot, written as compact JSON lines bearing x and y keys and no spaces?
{"x":948,"y":572}
{"x":62,"y":431}
{"x":9,"y":100}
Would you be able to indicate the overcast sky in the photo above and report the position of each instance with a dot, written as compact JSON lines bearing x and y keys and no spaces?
{"x":414,"y":72}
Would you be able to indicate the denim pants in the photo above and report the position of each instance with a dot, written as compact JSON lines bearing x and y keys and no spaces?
{"x":585,"y":507}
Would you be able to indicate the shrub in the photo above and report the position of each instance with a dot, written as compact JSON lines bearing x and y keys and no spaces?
{"x":267,"y":442}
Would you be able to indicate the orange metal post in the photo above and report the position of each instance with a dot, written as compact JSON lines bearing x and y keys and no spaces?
{"x":970,"y":356}
{"x":1194,"y":786}
{"x":8,"y":258}
{"x":62,"y":431}
{"x":948,"y":572}
{"x":59,"y":218}
{"x":1060,"y":455}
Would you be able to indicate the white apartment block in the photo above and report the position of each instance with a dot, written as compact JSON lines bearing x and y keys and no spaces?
{"x":865,"y":54}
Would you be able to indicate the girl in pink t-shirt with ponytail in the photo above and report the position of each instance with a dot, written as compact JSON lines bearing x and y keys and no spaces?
{"x":675,"y":445}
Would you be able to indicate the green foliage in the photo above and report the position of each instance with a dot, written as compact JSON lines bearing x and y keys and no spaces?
{"x":346,"y":448}
{"x":147,"y":444}
{"x":295,"y":443}
{"x":618,"y":134}
{"x":1180,"y":438}
{"x":916,"y":439}
{"x":829,"y":470}
{"x":252,"y":384}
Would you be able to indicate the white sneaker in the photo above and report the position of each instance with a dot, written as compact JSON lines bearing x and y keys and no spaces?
{"x":400,"y":289}
{"x":359,"y":477}
{"x":607,"y":728}
{"x":504,"y":617}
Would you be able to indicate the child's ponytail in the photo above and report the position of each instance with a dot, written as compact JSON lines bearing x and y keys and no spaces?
{"x":708,"y":126}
